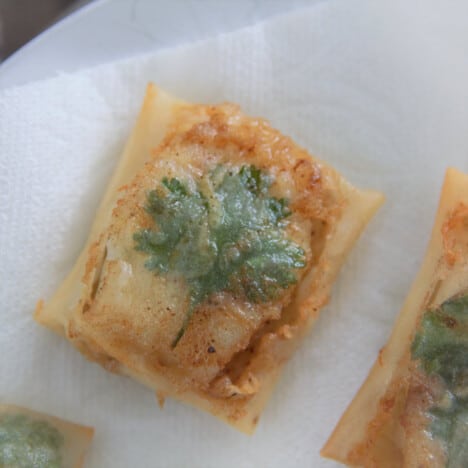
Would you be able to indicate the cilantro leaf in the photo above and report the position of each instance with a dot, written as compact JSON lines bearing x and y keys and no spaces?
{"x":442,"y":341}
{"x":28,"y":442}
{"x":450,"y":425}
{"x":441,"y":345}
{"x":225,"y":234}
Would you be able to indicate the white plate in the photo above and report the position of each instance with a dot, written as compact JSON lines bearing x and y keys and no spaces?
{"x":107,"y":30}
{"x":387,"y":105}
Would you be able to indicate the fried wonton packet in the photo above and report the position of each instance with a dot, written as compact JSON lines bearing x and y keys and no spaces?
{"x":213,"y":250}
{"x":29,"y":438}
{"x":412,"y":410}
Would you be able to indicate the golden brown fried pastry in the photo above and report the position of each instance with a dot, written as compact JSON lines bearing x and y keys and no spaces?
{"x":214,"y":248}
{"x":28,"y":438}
{"x":412,"y":411}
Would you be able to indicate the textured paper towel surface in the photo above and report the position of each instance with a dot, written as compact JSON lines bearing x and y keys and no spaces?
{"x":379,"y":90}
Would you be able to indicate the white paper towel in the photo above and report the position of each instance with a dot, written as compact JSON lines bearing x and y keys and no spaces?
{"x":378,"y":89}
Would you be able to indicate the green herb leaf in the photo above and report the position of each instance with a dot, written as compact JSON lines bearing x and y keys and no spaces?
{"x":225,"y":234}
{"x":26,"y":442}
{"x":442,"y":341}
{"x":450,"y":424}
{"x":441,"y":345}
